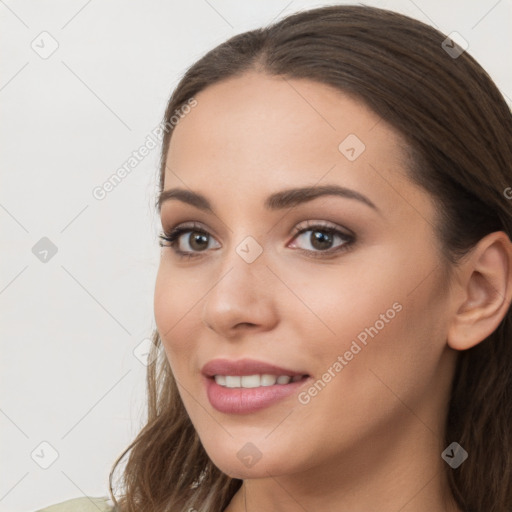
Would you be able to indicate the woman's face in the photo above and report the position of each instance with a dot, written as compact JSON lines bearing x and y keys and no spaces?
{"x":357,"y":315}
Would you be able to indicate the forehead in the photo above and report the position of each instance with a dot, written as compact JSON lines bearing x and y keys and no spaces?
{"x":255,"y":134}
{"x":256,"y":111}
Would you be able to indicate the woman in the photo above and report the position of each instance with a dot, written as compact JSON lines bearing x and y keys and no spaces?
{"x":332,"y":302}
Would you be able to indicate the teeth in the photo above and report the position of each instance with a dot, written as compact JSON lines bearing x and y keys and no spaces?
{"x":268,"y":380}
{"x":253,"y":381}
{"x":220,"y":379}
{"x":233,"y":382}
{"x":250,"y":381}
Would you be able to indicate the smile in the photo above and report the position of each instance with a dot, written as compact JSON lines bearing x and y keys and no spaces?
{"x":245,"y":386}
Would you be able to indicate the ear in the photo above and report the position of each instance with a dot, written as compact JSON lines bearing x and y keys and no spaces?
{"x":484,"y":291}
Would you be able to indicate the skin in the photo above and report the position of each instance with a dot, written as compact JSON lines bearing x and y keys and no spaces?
{"x":372,"y":438}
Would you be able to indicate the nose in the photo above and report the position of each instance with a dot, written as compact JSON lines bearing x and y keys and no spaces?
{"x":242,"y":298}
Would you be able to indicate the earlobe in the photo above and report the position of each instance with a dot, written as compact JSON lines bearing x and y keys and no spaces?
{"x":485,"y":283}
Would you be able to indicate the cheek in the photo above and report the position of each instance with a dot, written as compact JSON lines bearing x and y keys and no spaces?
{"x":175,"y":306}
{"x":387,"y":318}
{"x":391,"y":351}
{"x":164,"y":302}
{"x":356,"y":302}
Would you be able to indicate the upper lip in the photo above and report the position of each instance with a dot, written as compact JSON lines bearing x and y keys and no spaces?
{"x":244,"y":367}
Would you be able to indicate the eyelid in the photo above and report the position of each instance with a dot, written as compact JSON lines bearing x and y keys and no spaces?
{"x":196,"y":225}
{"x":310,"y":224}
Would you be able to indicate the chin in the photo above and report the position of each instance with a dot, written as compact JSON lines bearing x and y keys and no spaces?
{"x":249,"y":462}
{"x":260,"y":470}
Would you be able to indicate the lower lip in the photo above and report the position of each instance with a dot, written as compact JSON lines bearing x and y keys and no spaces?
{"x":247,"y":400}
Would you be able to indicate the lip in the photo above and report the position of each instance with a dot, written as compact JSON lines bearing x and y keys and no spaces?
{"x":247,"y":400}
{"x":245,"y":367}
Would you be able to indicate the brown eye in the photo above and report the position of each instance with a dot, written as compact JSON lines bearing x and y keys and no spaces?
{"x":319,"y":240}
{"x":322,"y":240}
{"x":196,"y":242}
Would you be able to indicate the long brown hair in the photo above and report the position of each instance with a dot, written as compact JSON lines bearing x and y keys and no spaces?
{"x":458,"y":129}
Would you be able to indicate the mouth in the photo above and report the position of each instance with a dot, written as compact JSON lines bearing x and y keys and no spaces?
{"x":247,"y":386}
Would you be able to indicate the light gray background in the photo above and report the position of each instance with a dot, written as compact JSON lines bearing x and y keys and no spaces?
{"x":69,"y":376}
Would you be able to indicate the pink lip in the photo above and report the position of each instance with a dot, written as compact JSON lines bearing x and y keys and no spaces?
{"x":244,"y":367}
{"x":246,"y":400}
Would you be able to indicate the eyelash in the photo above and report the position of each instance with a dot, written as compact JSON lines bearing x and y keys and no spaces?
{"x":173,"y":236}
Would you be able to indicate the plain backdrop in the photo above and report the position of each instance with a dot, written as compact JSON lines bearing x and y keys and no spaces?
{"x":82,"y":84}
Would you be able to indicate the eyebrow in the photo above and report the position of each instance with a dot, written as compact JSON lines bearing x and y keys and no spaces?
{"x":276,"y":201}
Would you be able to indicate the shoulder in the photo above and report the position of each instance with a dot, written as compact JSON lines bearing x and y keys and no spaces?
{"x":85,"y":504}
